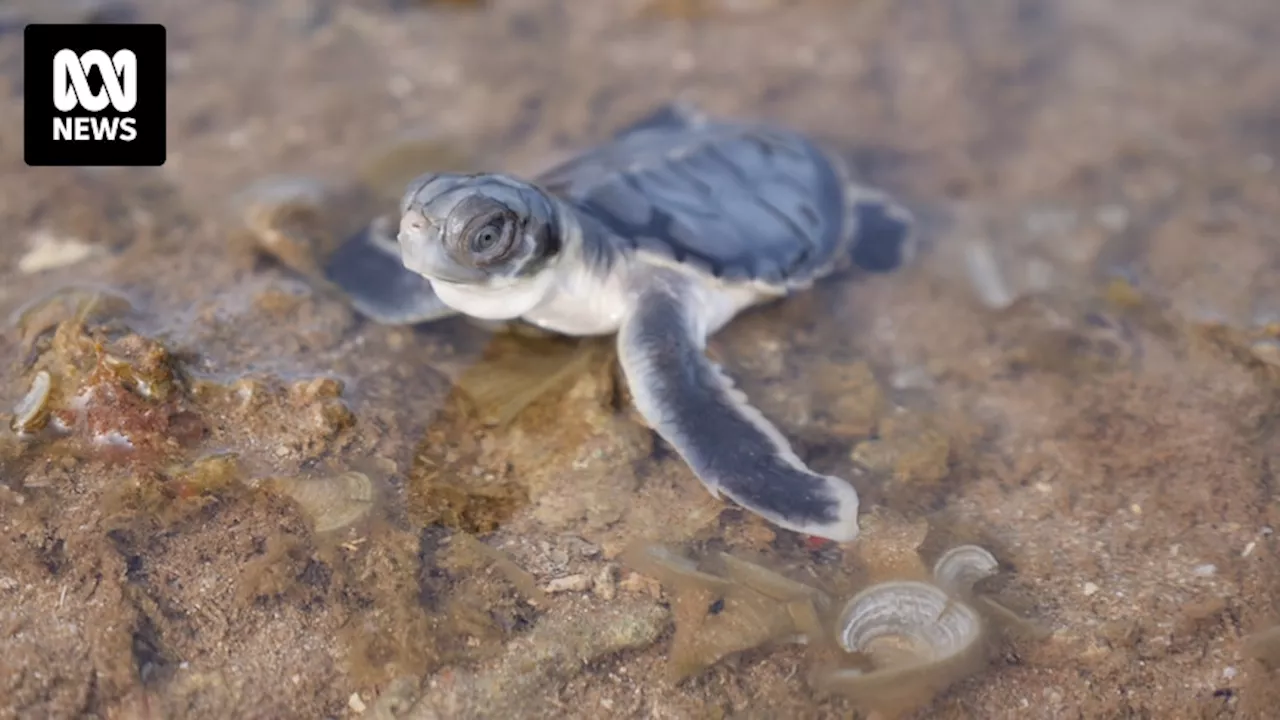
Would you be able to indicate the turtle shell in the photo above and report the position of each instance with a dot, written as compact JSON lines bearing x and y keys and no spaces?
{"x":740,"y":201}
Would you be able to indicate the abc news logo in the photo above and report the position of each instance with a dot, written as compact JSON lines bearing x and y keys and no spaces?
{"x":95,"y":95}
{"x":71,"y":90}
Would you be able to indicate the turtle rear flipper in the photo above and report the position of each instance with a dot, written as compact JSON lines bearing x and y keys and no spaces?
{"x":675,"y":115}
{"x":883,"y":231}
{"x":732,"y":448}
{"x":367,"y":268}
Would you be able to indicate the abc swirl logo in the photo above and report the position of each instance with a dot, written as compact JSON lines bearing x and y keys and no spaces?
{"x":71,"y":90}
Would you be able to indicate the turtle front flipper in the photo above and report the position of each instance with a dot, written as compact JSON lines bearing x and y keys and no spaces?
{"x":730,"y":445}
{"x":368,"y":270}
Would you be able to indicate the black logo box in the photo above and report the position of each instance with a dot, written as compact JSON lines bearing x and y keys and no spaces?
{"x":42,"y":42}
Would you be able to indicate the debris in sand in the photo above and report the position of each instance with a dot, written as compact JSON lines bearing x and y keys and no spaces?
{"x":1264,"y":647}
{"x":558,"y":647}
{"x":986,"y":275}
{"x":47,"y":251}
{"x":910,"y":447}
{"x":333,"y":502}
{"x":569,"y":583}
{"x":516,"y":575}
{"x":1266,"y":351}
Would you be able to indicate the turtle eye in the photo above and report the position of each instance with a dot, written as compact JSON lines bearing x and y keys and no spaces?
{"x":490,"y":238}
{"x":486,"y":237}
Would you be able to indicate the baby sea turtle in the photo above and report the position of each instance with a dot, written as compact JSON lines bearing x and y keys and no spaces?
{"x":661,"y":235}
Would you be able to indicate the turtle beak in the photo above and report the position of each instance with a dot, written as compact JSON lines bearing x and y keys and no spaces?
{"x":422,"y":251}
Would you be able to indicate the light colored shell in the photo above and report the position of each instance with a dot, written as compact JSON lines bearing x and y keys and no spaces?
{"x":333,"y":502}
{"x":32,"y":412}
{"x":960,"y":568}
{"x":919,"y":636}
{"x":907,"y":622}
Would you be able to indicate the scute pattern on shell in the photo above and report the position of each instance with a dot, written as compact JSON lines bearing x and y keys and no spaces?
{"x":740,"y":201}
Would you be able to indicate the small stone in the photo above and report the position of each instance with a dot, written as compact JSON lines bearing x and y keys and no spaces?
{"x":356,"y":704}
{"x":1267,"y":351}
{"x":569,"y":583}
{"x":637,"y":583}
{"x":1205,"y":570}
{"x":987,"y":277}
{"x":48,"y":252}
{"x":332,"y":416}
{"x":1112,"y":218}
{"x":1090,"y":589}
{"x":319,"y":388}
{"x":605,"y":585}
{"x":558,"y":557}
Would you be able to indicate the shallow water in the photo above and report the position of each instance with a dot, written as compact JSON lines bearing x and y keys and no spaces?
{"x":1078,"y":372}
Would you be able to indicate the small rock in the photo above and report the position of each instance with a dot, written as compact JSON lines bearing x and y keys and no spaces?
{"x":559,"y":647}
{"x":637,"y":583}
{"x":569,"y":583}
{"x":1205,"y":570}
{"x":47,"y":252}
{"x":1090,"y":589}
{"x":318,"y":388}
{"x":1267,"y":351}
{"x":986,"y":276}
{"x":356,"y":704}
{"x":605,"y":585}
{"x":1112,"y":218}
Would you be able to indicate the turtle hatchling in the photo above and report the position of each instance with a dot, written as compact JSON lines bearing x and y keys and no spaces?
{"x":661,"y":235}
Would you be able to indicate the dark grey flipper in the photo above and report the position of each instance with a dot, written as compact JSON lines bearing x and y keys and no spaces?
{"x":884,"y":236}
{"x":729,"y":444}
{"x":367,"y":268}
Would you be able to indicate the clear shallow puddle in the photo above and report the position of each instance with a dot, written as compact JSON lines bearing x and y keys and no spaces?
{"x":263,"y":506}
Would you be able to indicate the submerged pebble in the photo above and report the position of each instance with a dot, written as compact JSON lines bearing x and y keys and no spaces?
{"x":70,"y":302}
{"x":287,"y":220}
{"x":988,"y":280}
{"x":47,"y":251}
{"x":1266,"y":351}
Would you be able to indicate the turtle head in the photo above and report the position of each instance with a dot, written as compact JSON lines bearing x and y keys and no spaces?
{"x":487,"y":237}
